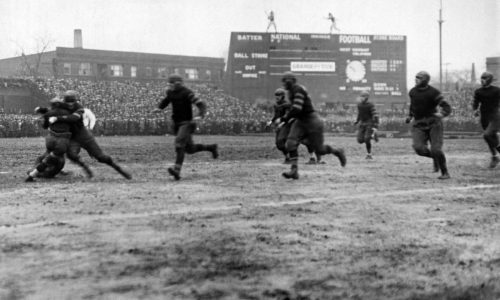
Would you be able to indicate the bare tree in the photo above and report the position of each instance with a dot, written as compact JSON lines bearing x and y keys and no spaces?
{"x":462,"y":75}
{"x":454,"y":79}
{"x":30,"y":64}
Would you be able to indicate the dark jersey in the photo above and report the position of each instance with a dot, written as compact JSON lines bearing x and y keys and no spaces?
{"x":75,"y":120}
{"x":424,"y":102}
{"x":301,"y":103}
{"x":280,"y":109}
{"x":367,"y":113}
{"x":57,"y":110}
{"x":487,"y":99}
{"x":182,"y":100}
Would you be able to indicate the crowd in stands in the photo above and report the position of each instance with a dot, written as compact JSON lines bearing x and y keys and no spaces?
{"x":125,"y":108}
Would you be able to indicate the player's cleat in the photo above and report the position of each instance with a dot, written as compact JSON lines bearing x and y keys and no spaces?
{"x":292,"y":174}
{"x":494,"y":162}
{"x":321,"y":162}
{"x":215,"y":151}
{"x":369,"y":156}
{"x":176,"y":174}
{"x":29,"y":179}
{"x":287,"y":161}
{"x":341,"y":156}
{"x":444,"y":176}
{"x":435,"y":166}
{"x":312,"y":161}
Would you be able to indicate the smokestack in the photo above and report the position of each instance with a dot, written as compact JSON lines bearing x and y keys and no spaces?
{"x":78,"y":39}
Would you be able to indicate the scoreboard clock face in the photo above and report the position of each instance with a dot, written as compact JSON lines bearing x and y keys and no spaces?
{"x":355,"y":70}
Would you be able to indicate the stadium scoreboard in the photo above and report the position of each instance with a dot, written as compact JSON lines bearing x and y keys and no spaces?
{"x":333,"y":67}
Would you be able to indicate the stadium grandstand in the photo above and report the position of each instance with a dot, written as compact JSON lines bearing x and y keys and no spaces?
{"x":123,"y":104}
{"x":124,"y":108}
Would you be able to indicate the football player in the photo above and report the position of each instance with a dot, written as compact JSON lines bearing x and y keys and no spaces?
{"x":427,"y":125}
{"x":486,"y":105}
{"x":281,"y":107}
{"x":368,"y":122}
{"x":82,"y":137}
{"x":182,"y":100}
{"x":56,"y":142}
{"x":307,"y":125}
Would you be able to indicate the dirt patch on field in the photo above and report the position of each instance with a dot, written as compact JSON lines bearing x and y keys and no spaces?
{"x":235,"y":229}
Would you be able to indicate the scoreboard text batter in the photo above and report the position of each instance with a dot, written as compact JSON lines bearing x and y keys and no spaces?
{"x":333,"y":67}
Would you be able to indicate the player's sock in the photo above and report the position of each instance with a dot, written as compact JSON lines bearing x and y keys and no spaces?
{"x":441,"y":159}
{"x":368,"y":146}
{"x":33,"y":173}
{"x":494,"y":161}
{"x":121,"y":171}
{"x":294,"y":169}
{"x":215,"y":151}
{"x":435,"y":165}
{"x":287,"y":158}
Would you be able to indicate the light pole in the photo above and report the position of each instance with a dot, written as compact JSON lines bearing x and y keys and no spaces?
{"x":440,"y":22}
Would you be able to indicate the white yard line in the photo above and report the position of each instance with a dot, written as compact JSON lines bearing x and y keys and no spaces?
{"x":220,"y":208}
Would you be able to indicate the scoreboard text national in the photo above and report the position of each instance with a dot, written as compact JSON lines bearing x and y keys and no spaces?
{"x":333,"y":67}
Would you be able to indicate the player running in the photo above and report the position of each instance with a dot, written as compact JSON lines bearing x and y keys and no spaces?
{"x":368,"y":122}
{"x":307,"y":125}
{"x":182,"y":100}
{"x":281,"y":107}
{"x":487,"y":100}
{"x":427,"y":126}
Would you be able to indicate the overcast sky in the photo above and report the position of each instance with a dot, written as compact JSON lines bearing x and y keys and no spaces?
{"x":471,"y":28}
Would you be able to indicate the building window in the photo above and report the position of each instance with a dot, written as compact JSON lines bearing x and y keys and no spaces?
{"x":162,"y":72}
{"x":191,"y":74}
{"x":85,"y":69}
{"x":67,"y":69}
{"x":116,"y":70}
{"x":149,"y":71}
{"x":208,"y":75}
{"x":177,"y":71}
{"x":133,"y":71}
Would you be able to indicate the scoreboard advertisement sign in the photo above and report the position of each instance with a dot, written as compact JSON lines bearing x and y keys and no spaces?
{"x":333,"y":67}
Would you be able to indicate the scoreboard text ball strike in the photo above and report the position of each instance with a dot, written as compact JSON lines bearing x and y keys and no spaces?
{"x":333,"y":67}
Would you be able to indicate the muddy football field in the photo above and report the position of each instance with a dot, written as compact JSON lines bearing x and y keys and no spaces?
{"x":233,"y":228}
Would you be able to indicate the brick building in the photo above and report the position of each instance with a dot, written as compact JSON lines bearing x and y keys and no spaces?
{"x":16,"y":96}
{"x":78,"y":62}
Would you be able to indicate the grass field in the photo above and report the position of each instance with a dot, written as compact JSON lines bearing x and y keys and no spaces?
{"x":233,"y":228}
